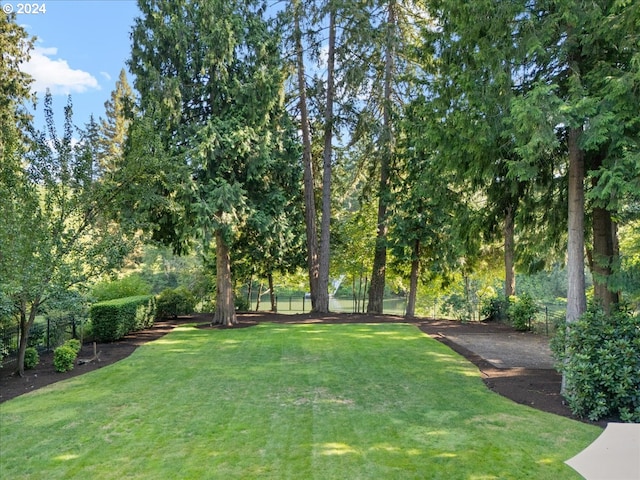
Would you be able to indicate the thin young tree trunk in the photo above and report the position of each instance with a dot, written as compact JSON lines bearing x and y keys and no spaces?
{"x":509,"y":253}
{"x":413,"y":282}
{"x":249,"y":291}
{"x":309,"y":197}
{"x":225,"y":313}
{"x":272,"y":293}
{"x":322,"y":301}
{"x":26,"y":322}
{"x":260,"y":288}
{"x":376,"y":290}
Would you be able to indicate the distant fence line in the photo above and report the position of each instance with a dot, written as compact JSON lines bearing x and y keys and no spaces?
{"x":47,"y":335}
{"x":544,"y":322}
{"x":44,"y":336}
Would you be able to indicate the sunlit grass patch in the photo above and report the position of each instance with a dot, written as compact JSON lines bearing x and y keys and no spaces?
{"x":293,"y":401}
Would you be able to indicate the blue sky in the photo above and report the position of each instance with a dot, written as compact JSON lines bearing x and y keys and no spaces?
{"x":80,"y":49}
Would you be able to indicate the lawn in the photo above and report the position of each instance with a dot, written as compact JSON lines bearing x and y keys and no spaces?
{"x":354,"y":401}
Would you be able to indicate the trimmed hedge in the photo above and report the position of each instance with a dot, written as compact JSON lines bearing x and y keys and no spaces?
{"x":113,"y":319}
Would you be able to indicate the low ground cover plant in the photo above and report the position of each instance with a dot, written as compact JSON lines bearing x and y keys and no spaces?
{"x":285,"y":401}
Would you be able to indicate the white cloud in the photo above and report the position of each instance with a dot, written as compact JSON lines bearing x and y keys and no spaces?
{"x":56,"y":74}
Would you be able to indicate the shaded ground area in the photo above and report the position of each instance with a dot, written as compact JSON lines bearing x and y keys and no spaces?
{"x":513,"y":364}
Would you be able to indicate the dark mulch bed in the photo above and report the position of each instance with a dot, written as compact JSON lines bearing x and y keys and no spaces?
{"x":538,"y":388}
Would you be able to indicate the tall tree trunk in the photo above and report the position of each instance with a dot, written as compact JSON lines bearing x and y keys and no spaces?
{"x":576,"y":297}
{"x":376,"y":290}
{"x":509,"y":253}
{"x":225,"y":313}
{"x":309,"y":197}
{"x":605,"y":252}
{"x":322,"y":301}
{"x":413,"y":282}
{"x":604,"y":257}
{"x":272,"y":293}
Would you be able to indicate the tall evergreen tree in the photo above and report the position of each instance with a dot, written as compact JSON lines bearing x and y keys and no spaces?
{"x":584,"y":100}
{"x":119,"y":111}
{"x":307,"y":158}
{"x":376,"y":75}
{"x":210,"y":81}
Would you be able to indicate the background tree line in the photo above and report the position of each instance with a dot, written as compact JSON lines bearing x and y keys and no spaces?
{"x":403,"y":143}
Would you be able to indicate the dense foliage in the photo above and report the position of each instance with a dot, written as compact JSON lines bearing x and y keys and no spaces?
{"x":600,"y":358}
{"x":64,"y":358}
{"x":31,"y":358}
{"x":173,"y":302}
{"x":521,"y":311}
{"x":113,"y":319}
{"x":130,"y":286}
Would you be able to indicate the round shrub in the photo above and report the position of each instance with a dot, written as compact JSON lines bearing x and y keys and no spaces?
{"x":31,"y":358}
{"x":75,"y":344}
{"x":173,"y":302}
{"x":521,"y":312}
{"x":600,"y":357}
{"x":495,"y":309}
{"x":64,"y":358}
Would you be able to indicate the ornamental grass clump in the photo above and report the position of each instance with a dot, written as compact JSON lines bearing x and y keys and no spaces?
{"x":600,"y":357}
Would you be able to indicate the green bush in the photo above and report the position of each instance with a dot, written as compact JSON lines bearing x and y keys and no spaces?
{"x":74,"y":343}
{"x":4,"y":351}
{"x":173,"y":302}
{"x":458,"y":306}
{"x":64,"y":358}
{"x":131,"y":286}
{"x":521,"y":312}
{"x":113,"y":319}
{"x":495,"y":309}
{"x":600,"y":357}
{"x":31,"y":358}
{"x":241,"y":303}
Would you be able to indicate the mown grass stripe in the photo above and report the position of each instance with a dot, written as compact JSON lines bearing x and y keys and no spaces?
{"x":284,"y":401}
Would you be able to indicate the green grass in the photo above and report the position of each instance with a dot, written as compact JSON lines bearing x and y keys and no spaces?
{"x":284,"y":401}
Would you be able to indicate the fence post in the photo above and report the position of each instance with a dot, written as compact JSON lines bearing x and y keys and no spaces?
{"x":546,"y":319}
{"x":48,"y":334}
{"x":303,"y":302}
